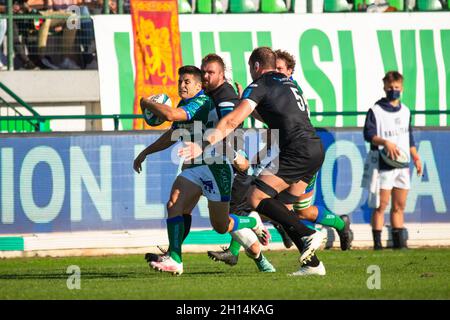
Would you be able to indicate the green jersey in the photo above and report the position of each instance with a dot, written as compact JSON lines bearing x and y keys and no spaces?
{"x":198,"y":108}
{"x":201,"y":115}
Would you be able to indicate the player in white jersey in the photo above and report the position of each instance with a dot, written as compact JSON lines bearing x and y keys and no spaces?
{"x":388,"y":127}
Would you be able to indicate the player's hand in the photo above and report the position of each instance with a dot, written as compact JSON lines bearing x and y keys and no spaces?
{"x":241,"y":163}
{"x":191,"y":150}
{"x":137,"y":164}
{"x":418,"y":165}
{"x":391,"y":149}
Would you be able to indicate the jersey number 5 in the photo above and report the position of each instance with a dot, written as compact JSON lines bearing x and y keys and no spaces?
{"x":300,"y":101}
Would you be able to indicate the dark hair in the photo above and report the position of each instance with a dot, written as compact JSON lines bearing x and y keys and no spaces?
{"x":286,"y":57}
{"x":212,"y":57}
{"x":265,"y":57}
{"x":392,"y":76}
{"x":196,"y":72}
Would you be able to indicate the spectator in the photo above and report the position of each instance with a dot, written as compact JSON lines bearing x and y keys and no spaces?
{"x":20,"y":49}
{"x":2,"y":36}
{"x":58,"y":7}
{"x":388,"y":125}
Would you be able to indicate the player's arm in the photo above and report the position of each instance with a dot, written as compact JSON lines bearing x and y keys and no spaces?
{"x":257,"y":116}
{"x":413,"y":150}
{"x":163,"y":112}
{"x":162,"y":143}
{"x":231,"y":121}
{"x":225,"y":126}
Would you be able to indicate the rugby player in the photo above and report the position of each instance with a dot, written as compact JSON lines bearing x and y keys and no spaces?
{"x":274,"y":99}
{"x":197,"y":178}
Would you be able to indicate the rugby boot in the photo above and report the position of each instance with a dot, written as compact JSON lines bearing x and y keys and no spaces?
{"x":224,"y":256}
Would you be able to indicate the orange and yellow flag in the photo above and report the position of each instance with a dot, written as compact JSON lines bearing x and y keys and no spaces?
{"x":157,"y":52}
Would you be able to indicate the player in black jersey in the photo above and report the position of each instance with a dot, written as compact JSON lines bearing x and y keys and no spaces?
{"x":225,"y":98}
{"x":275,"y":100}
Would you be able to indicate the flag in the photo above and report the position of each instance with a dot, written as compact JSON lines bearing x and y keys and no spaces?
{"x":157,"y":52}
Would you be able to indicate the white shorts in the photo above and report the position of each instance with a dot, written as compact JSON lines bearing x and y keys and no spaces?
{"x":395,"y":178}
{"x":215,"y":180}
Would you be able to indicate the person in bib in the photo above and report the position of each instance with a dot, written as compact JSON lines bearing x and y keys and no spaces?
{"x":388,"y":130}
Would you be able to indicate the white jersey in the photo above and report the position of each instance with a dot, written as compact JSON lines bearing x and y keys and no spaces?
{"x":393,"y":126}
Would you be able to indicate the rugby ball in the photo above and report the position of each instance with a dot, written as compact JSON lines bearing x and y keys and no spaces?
{"x":150,"y":118}
{"x":402,"y":160}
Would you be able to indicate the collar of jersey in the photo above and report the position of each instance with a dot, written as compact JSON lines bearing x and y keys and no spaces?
{"x":216,"y":89}
{"x":385,"y":105}
{"x":201,"y":92}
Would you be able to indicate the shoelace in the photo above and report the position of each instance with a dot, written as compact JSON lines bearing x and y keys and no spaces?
{"x":163,"y":251}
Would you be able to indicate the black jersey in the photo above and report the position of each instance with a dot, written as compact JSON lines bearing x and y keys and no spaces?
{"x":225,"y":99}
{"x":282,"y":107}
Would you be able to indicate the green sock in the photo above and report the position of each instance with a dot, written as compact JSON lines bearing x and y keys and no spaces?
{"x":242,"y":222}
{"x":234,"y":247}
{"x":175,"y":230}
{"x":328,"y":218}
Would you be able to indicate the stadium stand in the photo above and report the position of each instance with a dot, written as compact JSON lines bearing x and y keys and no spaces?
{"x":184,"y":6}
{"x":243,"y":6}
{"x":429,"y":5}
{"x":206,"y":6}
{"x":336,"y":6}
{"x":273,"y":6}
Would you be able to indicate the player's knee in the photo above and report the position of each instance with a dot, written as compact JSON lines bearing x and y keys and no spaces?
{"x":382,"y":207}
{"x":253,"y":202}
{"x":398,"y":209}
{"x":306,"y":214}
{"x":221,"y":228}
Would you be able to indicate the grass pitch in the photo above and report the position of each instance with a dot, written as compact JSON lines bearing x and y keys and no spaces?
{"x":409,"y":274}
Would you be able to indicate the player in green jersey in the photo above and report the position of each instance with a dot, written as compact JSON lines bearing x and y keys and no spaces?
{"x":206,"y":176}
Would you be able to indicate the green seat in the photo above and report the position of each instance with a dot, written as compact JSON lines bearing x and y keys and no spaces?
{"x":184,"y":6}
{"x":429,"y":5}
{"x":361,"y":3}
{"x":205,"y":6}
{"x":242,"y":6}
{"x":335,"y":6}
{"x":397,"y":4}
{"x":273,"y":6}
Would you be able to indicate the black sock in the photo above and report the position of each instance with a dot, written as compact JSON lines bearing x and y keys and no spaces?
{"x":278,"y":212}
{"x":187,"y":225}
{"x":376,"y":238}
{"x":299,"y":244}
{"x":259,"y":258}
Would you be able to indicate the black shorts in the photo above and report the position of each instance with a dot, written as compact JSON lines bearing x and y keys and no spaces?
{"x":238,"y":204}
{"x":299,"y":161}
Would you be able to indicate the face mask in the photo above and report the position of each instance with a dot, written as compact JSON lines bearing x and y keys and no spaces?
{"x":392,"y":95}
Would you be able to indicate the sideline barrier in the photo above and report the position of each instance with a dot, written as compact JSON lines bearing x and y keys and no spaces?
{"x":60,"y":185}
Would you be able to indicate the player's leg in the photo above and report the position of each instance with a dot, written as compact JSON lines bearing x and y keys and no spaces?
{"x":247,"y":239}
{"x":313,"y":266}
{"x":187,"y":219}
{"x":377,"y":219}
{"x":263,"y":194}
{"x":386,"y":181}
{"x":182,"y":194}
{"x":397,"y":218}
{"x":217,"y":180}
{"x":401,"y":186}
{"x":320,"y":215}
